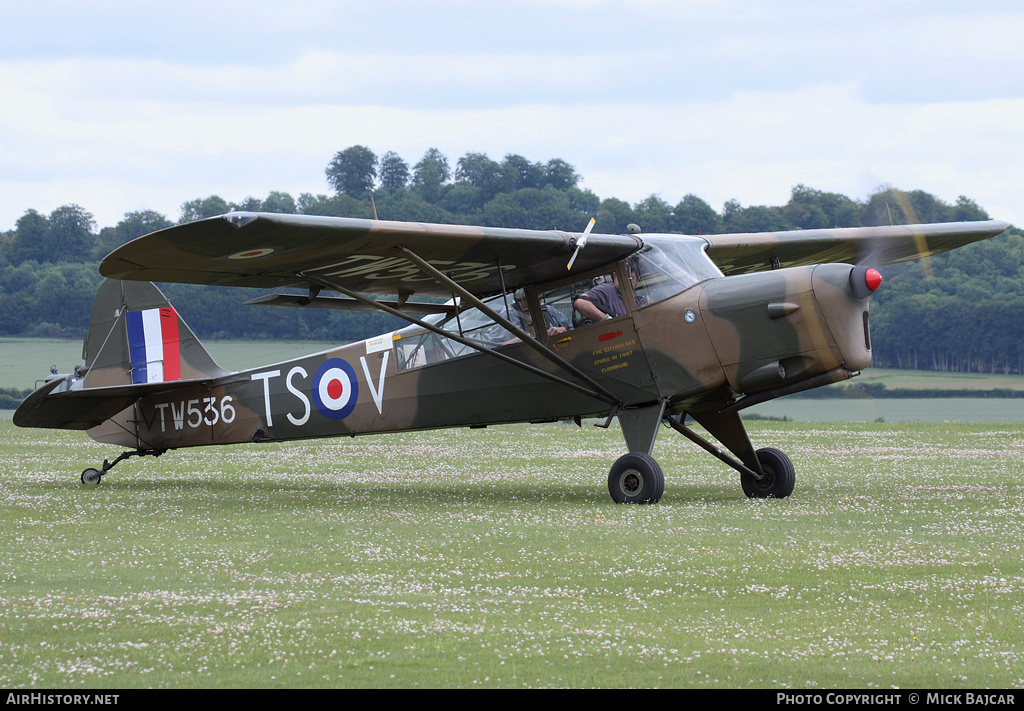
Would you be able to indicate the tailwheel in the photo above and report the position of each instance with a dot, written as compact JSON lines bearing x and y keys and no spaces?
{"x":636,"y":478}
{"x":93,"y":476}
{"x":779,"y":476}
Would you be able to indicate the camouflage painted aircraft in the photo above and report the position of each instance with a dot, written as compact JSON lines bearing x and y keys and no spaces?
{"x":642,"y":329}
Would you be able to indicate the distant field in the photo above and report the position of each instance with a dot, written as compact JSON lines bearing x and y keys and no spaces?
{"x":959,"y":409}
{"x":495,"y":558}
{"x":927,"y":380}
{"x":23,"y":361}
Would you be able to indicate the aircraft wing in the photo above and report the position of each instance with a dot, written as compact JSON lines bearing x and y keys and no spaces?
{"x":273,"y":250}
{"x":868,"y":246}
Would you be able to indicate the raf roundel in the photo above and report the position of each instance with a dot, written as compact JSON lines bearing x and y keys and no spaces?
{"x":335,"y":389}
{"x":252,"y":253}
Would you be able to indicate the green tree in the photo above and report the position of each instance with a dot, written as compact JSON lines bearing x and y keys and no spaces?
{"x":409,"y":206}
{"x":756,"y":218}
{"x":134,"y":224}
{"x":693,"y":216}
{"x":533,"y":209}
{"x":430,"y":174}
{"x":614,"y":217}
{"x":281,"y":203}
{"x":352,"y":171}
{"x":966,"y":210}
{"x":394,"y":172}
{"x":504,"y":211}
{"x":907,"y":208}
{"x":31,"y":233}
{"x":462,"y":199}
{"x":584,"y":204}
{"x":308,"y":203}
{"x":481,"y":172}
{"x":521,"y":173}
{"x":809,"y":209}
{"x":71,"y":236}
{"x":560,"y":174}
{"x":249,"y":204}
{"x":6,"y":241}
{"x":653,"y":214}
{"x":341,"y":205}
{"x":201,"y":208}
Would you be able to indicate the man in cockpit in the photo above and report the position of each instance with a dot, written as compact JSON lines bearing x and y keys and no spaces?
{"x":604,"y":301}
{"x":522,"y":317}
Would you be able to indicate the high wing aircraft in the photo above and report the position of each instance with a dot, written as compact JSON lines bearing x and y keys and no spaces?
{"x":644,"y":329}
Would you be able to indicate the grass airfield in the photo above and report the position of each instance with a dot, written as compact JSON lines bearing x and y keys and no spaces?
{"x":495,"y":558}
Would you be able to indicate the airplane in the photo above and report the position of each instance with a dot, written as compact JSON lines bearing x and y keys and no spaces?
{"x":686,"y":328}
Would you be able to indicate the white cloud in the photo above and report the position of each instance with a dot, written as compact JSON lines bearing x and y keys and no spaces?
{"x":722,"y":99}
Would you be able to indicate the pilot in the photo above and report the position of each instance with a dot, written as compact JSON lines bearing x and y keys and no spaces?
{"x":604,"y":301}
{"x":522,"y":317}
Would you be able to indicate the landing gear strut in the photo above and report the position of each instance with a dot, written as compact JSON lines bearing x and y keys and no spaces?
{"x":636,"y":478}
{"x":93,"y":476}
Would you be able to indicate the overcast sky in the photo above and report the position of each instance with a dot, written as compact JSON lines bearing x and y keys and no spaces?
{"x":120,"y":105}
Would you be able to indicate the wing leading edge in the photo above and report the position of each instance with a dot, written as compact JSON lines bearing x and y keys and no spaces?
{"x":272,"y":250}
{"x":869,"y":246}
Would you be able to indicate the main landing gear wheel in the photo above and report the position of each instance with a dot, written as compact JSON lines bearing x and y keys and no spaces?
{"x":779,"y":476}
{"x":636,"y":478}
{"x":91,"y":477}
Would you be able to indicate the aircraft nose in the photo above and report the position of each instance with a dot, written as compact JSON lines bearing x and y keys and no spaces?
{"x":842,"y":295}
{"x":864,"y":281}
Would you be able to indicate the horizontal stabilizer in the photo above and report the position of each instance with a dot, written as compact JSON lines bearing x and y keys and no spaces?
{"x":85,"y":408}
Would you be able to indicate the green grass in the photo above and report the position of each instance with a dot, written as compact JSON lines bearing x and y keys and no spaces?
{"x":495,"y":558}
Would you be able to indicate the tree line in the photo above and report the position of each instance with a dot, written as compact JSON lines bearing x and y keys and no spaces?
{"x":955,"y":312}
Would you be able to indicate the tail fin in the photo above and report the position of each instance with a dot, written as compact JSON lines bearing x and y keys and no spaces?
{"x":136,"y":336}
{"x":136,"y":344}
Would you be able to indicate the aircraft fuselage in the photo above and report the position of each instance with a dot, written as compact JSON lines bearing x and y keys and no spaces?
{"x":769,"y":329}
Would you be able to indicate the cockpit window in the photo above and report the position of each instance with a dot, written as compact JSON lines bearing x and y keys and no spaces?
{"x":668,"y":266}
{"x":416,"y":347}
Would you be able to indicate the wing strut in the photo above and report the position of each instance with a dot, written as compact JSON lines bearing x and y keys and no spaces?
{"x":515,"y":330}
{"x":600,"y":394}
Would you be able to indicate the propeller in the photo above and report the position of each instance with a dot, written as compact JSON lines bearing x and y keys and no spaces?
{"x":873,"y":255}
{"x":581,"y":243}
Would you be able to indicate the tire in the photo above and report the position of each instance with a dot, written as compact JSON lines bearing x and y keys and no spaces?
{"x":636,"y":478}
{"x":91,"y":477}
{"x":780,"y":476}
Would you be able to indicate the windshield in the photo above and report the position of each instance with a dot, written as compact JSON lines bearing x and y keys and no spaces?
{"x":668,"y":265}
